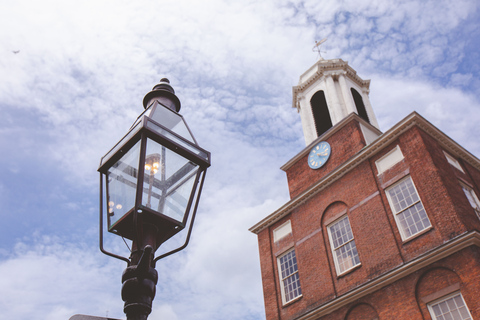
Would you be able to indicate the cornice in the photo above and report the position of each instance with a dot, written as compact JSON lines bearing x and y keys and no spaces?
{"x":413,"y":119}
{"x":323,"y":68}
{"x":454,"y":245}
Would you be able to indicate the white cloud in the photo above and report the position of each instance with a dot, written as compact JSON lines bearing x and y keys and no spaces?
{"x":453,"y":111}
{"x":459,"y":79}
{"x":60,"y":279}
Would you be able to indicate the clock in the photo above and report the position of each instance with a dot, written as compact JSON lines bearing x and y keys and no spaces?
{"x":319,"y":155}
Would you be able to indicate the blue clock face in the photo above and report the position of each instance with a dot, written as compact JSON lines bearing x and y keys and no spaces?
{"x":319,"y":155}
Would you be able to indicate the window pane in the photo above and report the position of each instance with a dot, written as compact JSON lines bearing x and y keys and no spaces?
{"x":464,"y":313}
{"x":403,"y":195}
{"x":341,"y":232}
{"x":347,"y":256}
{"x":170,"y":119}
{"x":413,"y":220}
{"x":122,"y":185}
{"x":290,"y":278}
{"x":408,"y":209}
{"x":343,"y":246}
{"x":168,"y":182}
{"x":436,"y":309}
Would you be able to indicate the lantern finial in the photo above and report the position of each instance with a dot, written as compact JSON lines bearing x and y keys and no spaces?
{"x":164,"y":93}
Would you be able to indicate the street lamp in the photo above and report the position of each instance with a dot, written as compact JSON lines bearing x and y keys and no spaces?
{"x":154,"y":177}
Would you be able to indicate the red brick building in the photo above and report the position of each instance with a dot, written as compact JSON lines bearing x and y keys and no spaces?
{"x":379,"y":225}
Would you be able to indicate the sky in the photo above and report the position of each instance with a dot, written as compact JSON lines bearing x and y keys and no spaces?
{"x":72,"y":80}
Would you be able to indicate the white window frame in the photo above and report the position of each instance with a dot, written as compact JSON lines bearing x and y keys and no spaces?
{"x":396,"y":213}
{"x":336,"y":251}
{"x":282,"y":231}
{"x":453,"y":162}
{"x":431,"y":306}
{"x":393,"y":157}
{"x":285,"y":289}
{"x":472,"y":198}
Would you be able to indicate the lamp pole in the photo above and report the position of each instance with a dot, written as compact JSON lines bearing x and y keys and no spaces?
{"x":154,"y":177}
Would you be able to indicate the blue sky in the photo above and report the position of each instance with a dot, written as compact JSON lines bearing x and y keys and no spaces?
{"x":77,"y":84}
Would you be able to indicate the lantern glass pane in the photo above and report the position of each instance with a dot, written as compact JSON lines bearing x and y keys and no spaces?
{"x":192,"y":148}
{"x":121,"y":143}
{"x":122,"y":185}
{"x":171,"y":120}
{"x":168,"y":181}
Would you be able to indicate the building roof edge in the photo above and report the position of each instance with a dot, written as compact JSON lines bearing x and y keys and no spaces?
{"x":413,"y":119}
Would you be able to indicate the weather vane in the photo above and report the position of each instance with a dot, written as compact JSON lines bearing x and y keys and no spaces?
{"x":316,"y":48}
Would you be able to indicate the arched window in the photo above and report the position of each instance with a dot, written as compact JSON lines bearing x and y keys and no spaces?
{"x":338,"y":229}
{"x":321,"y":115}
{"x":359,"y":104}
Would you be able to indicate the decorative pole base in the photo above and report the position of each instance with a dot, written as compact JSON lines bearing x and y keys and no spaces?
{"x":138,"y":288}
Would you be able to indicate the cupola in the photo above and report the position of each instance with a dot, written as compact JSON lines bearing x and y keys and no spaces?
{"x":327,"y":93}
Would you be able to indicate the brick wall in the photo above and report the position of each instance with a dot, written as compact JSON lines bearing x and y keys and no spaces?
{"x":360,"y":194}
{"x":345,"y":143}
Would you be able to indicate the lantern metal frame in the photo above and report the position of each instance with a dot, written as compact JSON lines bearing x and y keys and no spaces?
{"x":146,"y":128}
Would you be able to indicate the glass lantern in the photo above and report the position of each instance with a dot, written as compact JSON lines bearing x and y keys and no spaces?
{"x":152,"y":174}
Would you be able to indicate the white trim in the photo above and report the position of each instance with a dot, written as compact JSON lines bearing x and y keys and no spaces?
{"x":443,"y":292}
{"x":453,"y":162}
{"x":369,"y":134}
{"x":390,"y":159}
{"x":282,"y":231}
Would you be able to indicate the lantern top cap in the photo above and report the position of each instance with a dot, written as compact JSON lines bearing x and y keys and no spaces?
{"x":163,"y":92}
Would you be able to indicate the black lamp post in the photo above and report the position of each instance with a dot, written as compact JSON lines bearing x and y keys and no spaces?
{"x":154,"y":177}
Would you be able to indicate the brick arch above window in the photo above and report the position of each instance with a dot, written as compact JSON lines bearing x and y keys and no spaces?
{"x":334,"y":211}
{"x":435,"y":280}
{"x":434,"y":284}
{"x":362,"y":311}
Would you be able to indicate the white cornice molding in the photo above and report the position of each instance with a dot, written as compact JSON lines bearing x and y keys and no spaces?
{"x":322,"y":68}
{"x":413,"y":119}
{"x":455,"y":245}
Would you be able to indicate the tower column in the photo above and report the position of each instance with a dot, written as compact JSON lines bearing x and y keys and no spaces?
{"x":306,"y":114}
{"x":334,"y":103}
{"x":347,"y":97}
{"x":368,"y":107}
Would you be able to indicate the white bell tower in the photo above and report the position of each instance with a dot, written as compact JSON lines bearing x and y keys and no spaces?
{"x":327,"y":93}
